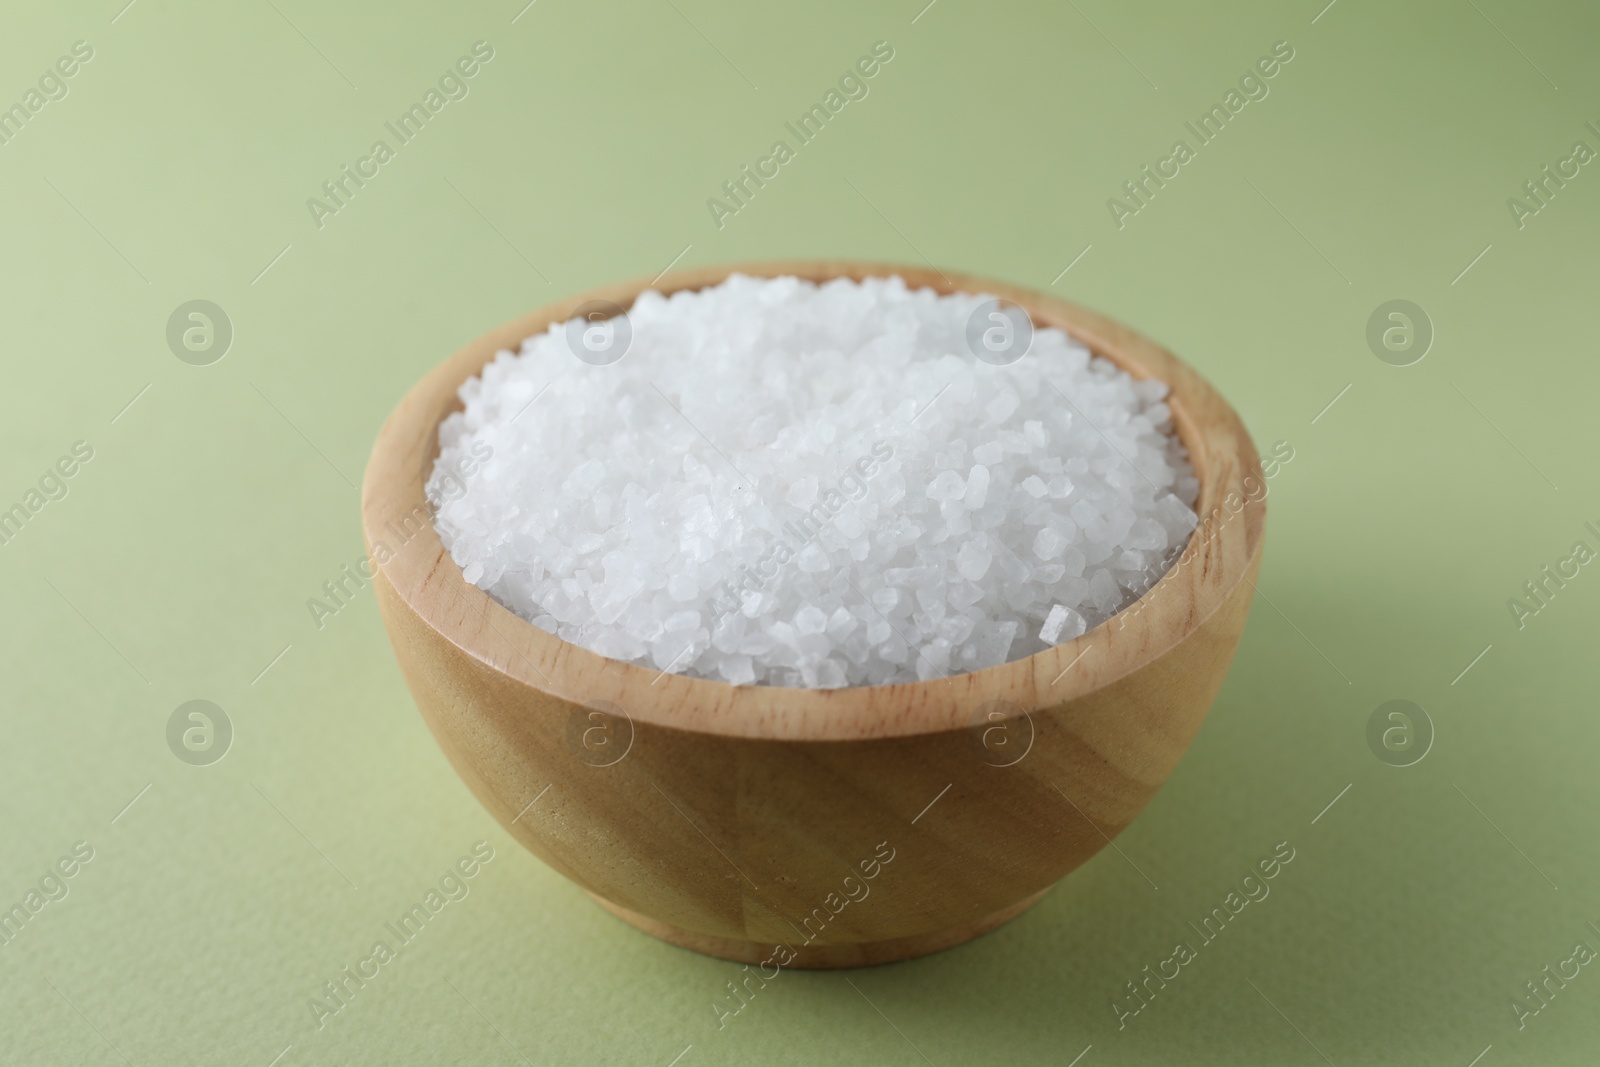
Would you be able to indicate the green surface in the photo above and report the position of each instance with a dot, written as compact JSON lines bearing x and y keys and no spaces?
{"x":178,"y":564}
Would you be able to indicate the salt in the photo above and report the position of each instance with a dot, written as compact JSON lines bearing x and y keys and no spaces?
{"x":785,"y":483}
{"x":1062,"y":624}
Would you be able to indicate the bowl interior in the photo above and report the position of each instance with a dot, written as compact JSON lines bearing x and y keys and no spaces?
{"x":1216,"y":559}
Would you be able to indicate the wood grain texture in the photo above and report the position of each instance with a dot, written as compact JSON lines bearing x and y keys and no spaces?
{"x":742,"y":818}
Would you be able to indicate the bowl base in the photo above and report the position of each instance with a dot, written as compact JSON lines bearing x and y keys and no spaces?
{"x":823,"y":957}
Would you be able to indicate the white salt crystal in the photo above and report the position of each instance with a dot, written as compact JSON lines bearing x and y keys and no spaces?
{"x":957,"y":629}
{"x":1146,"y":533}
{"x":1000,"y":408}
{"x":994,"y":641}
{"x":831,"y":675}
{"x":737,"y":670}
{"x":810,"y":620}
{"x":1049,"y":543}
{"x":1062,"y":624}
{"x":1103,"y":591}
{"x":977,"y":488}
{"x":681,"y":621}
{"x":803,"y":493}
{"x":947,"y":486}
{"x":972,"y":561}
{"x":812,"y":559}
{"x":731,"y":531}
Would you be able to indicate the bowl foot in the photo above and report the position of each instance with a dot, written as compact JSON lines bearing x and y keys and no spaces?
{"x":816,"y":956}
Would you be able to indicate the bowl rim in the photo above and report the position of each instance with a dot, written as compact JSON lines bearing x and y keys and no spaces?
{"x":431,"y":587}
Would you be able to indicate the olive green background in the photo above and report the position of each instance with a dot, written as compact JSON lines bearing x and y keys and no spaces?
{"x":180,"y":562}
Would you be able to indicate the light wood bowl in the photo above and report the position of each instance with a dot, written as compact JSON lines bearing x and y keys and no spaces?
{"x":816,"y":828}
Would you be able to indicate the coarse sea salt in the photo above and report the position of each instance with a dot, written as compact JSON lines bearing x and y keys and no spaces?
{"x":793,"y":484}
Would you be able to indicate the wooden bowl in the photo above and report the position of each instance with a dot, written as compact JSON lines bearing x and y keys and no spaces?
{"x":816,"y":828}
